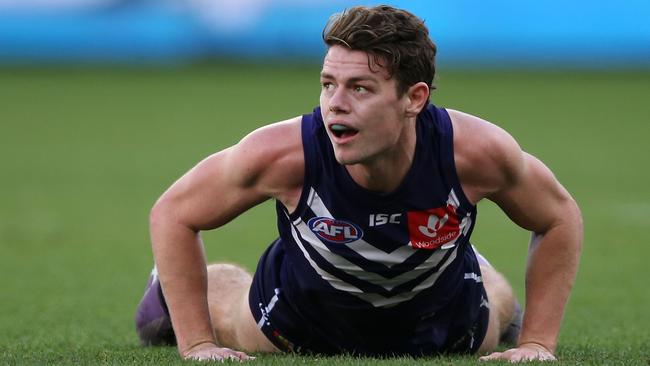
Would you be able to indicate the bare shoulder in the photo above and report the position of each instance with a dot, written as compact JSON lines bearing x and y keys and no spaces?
{"x":270,"y":159}
{"x":488,"y":158}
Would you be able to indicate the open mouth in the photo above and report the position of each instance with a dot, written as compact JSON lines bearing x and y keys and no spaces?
{"x":342,"y":131}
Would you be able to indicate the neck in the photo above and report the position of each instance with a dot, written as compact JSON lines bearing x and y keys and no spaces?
{"x":386,"y":171}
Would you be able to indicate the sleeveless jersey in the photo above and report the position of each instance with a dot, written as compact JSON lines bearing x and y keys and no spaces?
{"x":372,"y":271}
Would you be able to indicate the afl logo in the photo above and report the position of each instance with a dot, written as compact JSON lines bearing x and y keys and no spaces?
{"x":335,"y":231}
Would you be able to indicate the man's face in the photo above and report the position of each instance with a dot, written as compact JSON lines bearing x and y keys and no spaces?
{"x":364,"y":118}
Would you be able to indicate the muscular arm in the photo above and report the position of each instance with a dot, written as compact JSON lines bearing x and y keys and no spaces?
{"x":537,"y":202}
{"x":526,"y":190}
{"x":267,"y":163}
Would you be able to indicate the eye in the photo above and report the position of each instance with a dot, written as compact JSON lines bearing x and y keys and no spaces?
{"x":326,"y":85}
{"x":360,"y":89}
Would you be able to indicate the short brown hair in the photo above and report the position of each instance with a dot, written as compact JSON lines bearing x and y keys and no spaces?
{"x":396,"y":39}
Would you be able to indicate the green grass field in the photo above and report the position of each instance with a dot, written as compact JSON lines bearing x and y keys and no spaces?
{"x":84,"y":153}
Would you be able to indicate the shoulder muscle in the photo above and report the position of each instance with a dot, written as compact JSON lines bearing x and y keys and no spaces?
{"x":270,"y":159}
{"x":488,"y":159}
{"x":491,"y":165}
{"x":268,"y":163}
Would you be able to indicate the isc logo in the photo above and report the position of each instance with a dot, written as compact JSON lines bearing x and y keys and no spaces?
{"x":335,"y":231}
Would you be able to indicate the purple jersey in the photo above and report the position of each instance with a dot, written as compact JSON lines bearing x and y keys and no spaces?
{"x":374,"y":273}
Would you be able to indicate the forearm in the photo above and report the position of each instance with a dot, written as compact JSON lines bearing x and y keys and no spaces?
{"x":180,"y":260}
{"x":552,"y":267}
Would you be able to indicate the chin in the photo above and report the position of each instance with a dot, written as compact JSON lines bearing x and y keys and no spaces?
{"x":345,"y":160}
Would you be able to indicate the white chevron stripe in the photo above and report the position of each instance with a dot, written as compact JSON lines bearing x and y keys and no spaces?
{"x":466,"y":222}
{"x":376,"y":300}
{"x":334,"y":281}
{"x":434,"y":277}
{"x":304,"y":236}
{"x":371,"y":253}
{"x":380,"y":301}
{"x":343,"y":264}
{"x":360,"y":246}
{"x":453,"y":199}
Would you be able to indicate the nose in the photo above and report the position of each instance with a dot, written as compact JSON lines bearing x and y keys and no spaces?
{"x":338,"y":102}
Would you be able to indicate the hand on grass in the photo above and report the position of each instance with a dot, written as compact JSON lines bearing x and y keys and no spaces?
{"x":523,"y":353}
{"x":210,"y":352}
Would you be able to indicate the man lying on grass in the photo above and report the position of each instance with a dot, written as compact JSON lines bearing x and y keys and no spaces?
{"x":376,"y":194}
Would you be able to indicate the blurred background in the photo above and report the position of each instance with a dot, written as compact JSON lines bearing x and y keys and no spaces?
{"x":104,"y":103}
{"x":500,"y":33}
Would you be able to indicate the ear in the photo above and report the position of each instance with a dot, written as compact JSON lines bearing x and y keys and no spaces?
{"x":417,"y":96}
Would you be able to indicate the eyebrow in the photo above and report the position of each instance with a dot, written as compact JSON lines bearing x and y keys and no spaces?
{"x":351,"y":80}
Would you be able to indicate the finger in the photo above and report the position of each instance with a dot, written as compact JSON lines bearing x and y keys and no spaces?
{"x":232,"y":357}
{"x":517,"y":357}
{"x":545,"y":356}
{"x":523,"y":355}
{"x":238,"y":356}
{"x":491,"y":356}
{"x":244,"y":356}
{"x":206,"y":357}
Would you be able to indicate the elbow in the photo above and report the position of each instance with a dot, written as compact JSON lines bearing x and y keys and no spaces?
{"x":167,"y":215}
{"x":575,"y":225}
{"x":158,"y":214}
{"x":580,"y":225}
{"x":567,"y":227}
{"x":578,"y":221}
{"x":165,"y":224}
{"x":163,"y":217}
